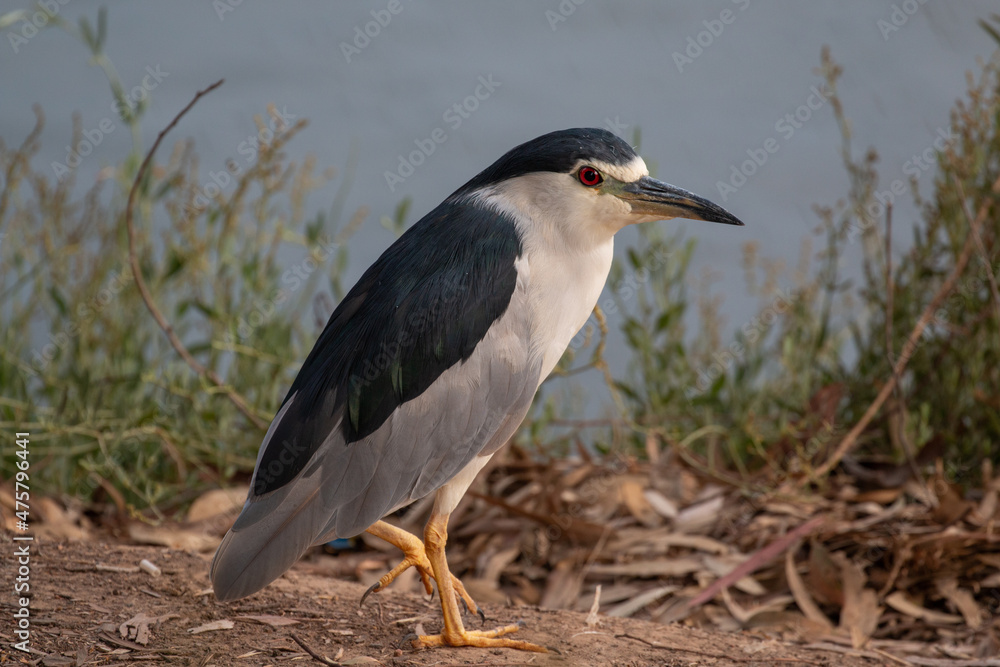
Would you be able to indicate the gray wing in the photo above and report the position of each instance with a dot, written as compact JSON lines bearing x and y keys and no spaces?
{"x":474,"y":406}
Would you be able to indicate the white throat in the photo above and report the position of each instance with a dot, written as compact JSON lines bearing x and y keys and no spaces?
{"x":566,"y":258}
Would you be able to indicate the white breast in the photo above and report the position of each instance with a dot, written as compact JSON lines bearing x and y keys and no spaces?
{"x":562,"y":289}
{"x":567,"y":234}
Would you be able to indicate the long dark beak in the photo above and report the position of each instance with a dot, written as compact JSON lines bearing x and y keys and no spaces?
{"x":649,"y":196}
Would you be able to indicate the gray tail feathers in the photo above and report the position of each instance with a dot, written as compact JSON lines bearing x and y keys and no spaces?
{"x":269,"y":536}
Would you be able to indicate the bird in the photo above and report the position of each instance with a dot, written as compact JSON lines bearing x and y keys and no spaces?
{"x":429,"y":364}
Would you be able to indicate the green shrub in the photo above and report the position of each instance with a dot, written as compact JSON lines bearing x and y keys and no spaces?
{"x":114,"y":410}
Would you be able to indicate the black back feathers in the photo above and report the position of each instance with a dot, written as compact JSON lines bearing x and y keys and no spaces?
{"x":422,"y":307}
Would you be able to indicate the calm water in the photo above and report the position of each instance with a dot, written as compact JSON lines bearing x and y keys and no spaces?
{"x":712,"y":85}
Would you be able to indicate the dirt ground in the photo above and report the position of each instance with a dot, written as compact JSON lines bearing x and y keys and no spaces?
{"x":86,"y":596}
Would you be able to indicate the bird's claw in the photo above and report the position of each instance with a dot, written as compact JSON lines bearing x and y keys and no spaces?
{"x":374,"y":588}
{"x":479,"y":638}
{"x":425,"y":575}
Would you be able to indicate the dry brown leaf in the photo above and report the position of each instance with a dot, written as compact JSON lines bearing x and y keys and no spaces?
{"x":799,"y":510}
{"x":720,"y":566}
{"x":672,"y":567}
{"x":7,"y":500}
{"x":880,"y":496}
{"x":577,"y":476}
{"x":137,"y":628}
{"x":562,"y":588}
{"x":218,"y":502}
{"x":986,"y":511}
{"x":824,"y":576}
{"x":699,"y":518}
{"x":876,"y":515}
{"x":172,"y":536}
{"x":962,"y":599}
{"x":482,"y":591}
{"x":57,"y":522}
{"x":737,"y":611}
{"x":901,"y":603}
{"x":222,"y":624}
{"x":630,"y":491}
{"x":610,"y":593}
{"x":951,"y":506}
{"x":801,"y":594}
{"x":660,"y":541}
{"x":640,"y":601}
{"x":861,"y":612}
{"x":993,"y":560}
{"x":743,"y":615}
{"x":991,"y":581}
{"x":696,"y":542}
{"x":661,"y":504}
{"x":497,"y":562}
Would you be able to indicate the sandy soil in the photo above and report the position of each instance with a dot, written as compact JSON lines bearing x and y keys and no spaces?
{"x":85,"y":594}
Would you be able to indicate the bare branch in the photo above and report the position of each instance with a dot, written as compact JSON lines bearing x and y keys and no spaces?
{"x":147,"y":297}
{"x":850,"y":440}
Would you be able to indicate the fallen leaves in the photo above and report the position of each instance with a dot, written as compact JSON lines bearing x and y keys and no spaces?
{"x":213,"y":626}
{"x":860,"y":614}
{"x":137,"y":628}
{"x":850,"y":565}
{"x":872,"y":570}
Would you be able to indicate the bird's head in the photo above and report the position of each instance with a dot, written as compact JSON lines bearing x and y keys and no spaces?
{"x":586,"y":184}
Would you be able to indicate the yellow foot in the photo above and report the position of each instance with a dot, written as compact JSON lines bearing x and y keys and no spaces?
{"x":480,"y":639}
{"x":415,"y":556}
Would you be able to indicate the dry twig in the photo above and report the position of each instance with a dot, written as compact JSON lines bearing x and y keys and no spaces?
{"x":316,"y":656}
{"x":140,"y":282}
{"x":981,"y":247}
{"x":851,"y":439}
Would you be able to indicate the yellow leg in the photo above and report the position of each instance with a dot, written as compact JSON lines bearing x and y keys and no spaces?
{"x":414,"y":556}
{"x":454,"y":632}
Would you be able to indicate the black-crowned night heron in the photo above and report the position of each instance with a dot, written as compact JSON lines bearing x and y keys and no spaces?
{"x":429,"y":364}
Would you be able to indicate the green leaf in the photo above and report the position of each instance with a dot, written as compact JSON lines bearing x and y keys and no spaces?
{"x":59,"y":300}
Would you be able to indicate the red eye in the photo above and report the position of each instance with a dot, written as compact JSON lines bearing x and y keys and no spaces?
{"x":590,"y":176}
